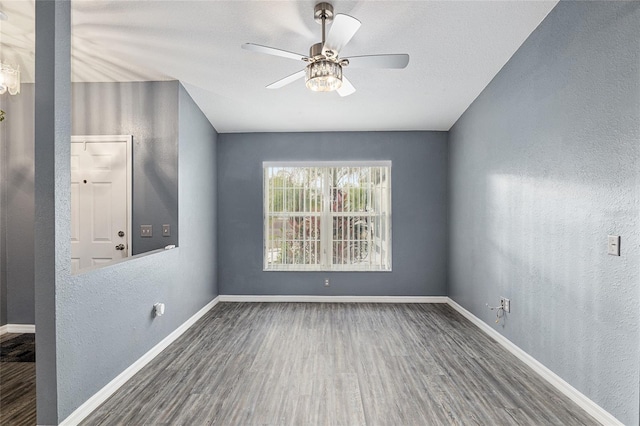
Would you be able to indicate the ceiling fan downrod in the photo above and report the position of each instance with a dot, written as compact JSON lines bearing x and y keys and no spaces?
{"x":323,"y":15}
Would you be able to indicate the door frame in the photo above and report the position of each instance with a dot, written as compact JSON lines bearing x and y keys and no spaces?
{"x":127,"y":139}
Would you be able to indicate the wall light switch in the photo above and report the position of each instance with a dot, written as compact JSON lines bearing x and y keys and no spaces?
{"x":613,"y":245}
{"x":146,"y":231}
{"x":166,"y":230}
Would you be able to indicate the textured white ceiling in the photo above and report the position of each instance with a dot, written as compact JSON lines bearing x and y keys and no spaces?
{"x":456,"y":48}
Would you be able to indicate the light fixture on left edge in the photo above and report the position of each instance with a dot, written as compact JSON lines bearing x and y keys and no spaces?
{"x":9,"y":79}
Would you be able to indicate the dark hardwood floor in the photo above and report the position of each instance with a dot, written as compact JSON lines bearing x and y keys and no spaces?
{"x":339,"y":364}
{"x":17,"y":391}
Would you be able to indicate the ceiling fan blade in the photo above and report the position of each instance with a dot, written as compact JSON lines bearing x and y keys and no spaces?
{"x":289,"y":79}
{"x":347,"y":88}
{"x":342,"y":30}
{"x":272,"y":51}
{"x":379,"y":61}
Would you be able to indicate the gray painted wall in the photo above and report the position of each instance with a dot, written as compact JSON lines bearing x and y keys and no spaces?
{"x":543,"y":166}
{"x":52,"y":198}
{"x":103,"y":317}
{"x":18,"y":207}
{"x":419,"y":212}
{"x":113,"y":326}
{"x":3,"y":220}
{"x":146,"y":110}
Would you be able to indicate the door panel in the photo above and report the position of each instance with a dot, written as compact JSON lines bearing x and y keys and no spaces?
{"x":101,"y":212}
{"x":75,"y":211}
{"x":99,"y":202}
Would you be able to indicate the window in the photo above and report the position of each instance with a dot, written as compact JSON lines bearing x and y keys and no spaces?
{"x":327,"y":216}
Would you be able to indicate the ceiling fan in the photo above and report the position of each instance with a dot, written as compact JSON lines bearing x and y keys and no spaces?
{"x":323,"y":72}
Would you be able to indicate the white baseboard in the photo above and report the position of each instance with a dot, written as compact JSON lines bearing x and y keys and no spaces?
{"x":597,"y":412}
{"x":94,"y":402}
{"x":334,"y":299}
{"x":17,"y":328}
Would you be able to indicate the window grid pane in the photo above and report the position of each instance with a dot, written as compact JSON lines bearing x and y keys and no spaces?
{"x":327,"y":218}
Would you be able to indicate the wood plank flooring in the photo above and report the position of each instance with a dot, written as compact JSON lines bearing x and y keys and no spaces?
{"x":336,"y":364}
{"x":17,"y":391}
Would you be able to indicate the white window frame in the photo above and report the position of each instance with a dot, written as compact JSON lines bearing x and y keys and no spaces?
{"x":327,"y":216}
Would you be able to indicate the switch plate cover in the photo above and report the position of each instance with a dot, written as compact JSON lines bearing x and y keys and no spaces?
{"x":166,"y":230}
{"x":146,"y":231}
{"x":613,"y":245}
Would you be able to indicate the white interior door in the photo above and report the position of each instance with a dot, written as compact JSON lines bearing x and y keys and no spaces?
{"x":100,"y":205}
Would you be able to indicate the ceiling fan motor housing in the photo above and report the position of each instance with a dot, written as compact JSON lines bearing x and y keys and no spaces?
{"x":315,"y":52}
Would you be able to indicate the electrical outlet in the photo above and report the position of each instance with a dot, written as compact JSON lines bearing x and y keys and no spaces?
{"x":158,"y":309}
{"x":326,"y":282}
{"x":505,"y":304}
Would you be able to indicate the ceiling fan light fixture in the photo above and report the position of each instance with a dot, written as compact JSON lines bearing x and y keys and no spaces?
{"x":324,"y":76}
